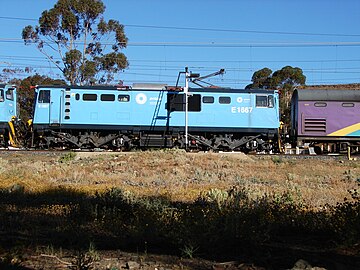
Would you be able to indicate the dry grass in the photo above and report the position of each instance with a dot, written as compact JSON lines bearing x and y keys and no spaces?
{"x":183,"y":176}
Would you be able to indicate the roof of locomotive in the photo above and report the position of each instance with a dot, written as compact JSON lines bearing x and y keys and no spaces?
{"x":327,"y":95}
{"x":157,"y":87}
{"x":4,"y":85}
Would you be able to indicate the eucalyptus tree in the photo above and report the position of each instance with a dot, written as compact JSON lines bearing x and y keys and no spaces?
{"x":285,"y":80}
{"x":77,"y":39}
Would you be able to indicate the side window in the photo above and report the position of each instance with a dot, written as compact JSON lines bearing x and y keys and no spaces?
{"x":320,"y":104}
{"x":261,"y":101}
{"x":107,"y":97}
{"x":348,"y":104}
{"x":1,"y":95}
{"x":123,"y":98}
{"x":89,"y":97}
{"x":194,"y":103}
{"x":10,"y":94}
{"x":176,"y":102}
{"x":44,"y":96}
{"x":77,"y":96}
{"x":224,"y":100}
{"x":208,"y":99}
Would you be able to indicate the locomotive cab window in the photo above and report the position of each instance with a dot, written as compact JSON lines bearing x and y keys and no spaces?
{"x":44,"y":96}
{"x":176,"y":102}
{"x":1,"y":95}
{"x":262,"y":101}
{"x":271,"y":101}
{"x":10,"y":94}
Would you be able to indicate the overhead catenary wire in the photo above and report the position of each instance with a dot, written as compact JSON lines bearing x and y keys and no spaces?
{"x":213,"y":29}
{"x":215,"y":44}
{"x":41,"y":58}
{"x":340,"y":70}
{"x":225,"y":82}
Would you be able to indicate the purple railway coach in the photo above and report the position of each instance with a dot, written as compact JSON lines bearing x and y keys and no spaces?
{"x":326,"y":119}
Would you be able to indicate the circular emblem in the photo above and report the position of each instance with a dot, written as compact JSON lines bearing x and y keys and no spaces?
{"x":141,"y":98}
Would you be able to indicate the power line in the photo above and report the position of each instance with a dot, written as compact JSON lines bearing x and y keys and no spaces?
{"x":195,"y":61}
{"x":214,"y":29}
{"x":17,"y":18}
{"x":201,"y":68}
{"x":180,"y":67}
{"x":139,"y":71}
{"x":219,"y":44}
{"x":241,"y":31}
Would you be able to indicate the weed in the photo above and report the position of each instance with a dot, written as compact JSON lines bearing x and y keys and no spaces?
{"x":93,"y":253}
{"x":68,"y":157}
{"x":290,"y":176}
{"x":85,"y":260}
{"x":277,"y":159}
{"x":49,"y":250}
{"x":82,"y":261}
{"x":188,"y":251}
{"x":3,"y":165}
{"x":217,"y":196}
{"x":13,"y":257}
{"x":239,"y":180}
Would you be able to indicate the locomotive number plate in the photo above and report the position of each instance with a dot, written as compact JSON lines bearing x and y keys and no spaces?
{"x":241,"y":109}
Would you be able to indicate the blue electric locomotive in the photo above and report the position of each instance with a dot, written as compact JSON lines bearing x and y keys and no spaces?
{"x":151,"y":115}
{"x":8,"y":111}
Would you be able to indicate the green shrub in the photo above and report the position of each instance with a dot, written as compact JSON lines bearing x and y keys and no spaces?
{"x":68,"y":157}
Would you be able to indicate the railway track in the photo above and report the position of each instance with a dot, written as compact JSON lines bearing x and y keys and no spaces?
{"x":277,"y":156}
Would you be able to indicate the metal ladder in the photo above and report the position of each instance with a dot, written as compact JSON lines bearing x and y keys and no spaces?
{"x":156,"y":111}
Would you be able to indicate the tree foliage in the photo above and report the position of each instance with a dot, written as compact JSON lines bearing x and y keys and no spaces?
{"x":287,"y":77}
{"x":26,"y":93}
{"x":76,"y":31}
{"x":261,"y":78}
{"x":10,"y":74}
{"x":285,"y":80}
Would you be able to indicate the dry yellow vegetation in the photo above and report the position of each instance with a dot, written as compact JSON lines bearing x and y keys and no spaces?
{"x":182,"y":176}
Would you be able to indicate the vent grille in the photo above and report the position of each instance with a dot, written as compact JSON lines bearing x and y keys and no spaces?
{"x":315,"y":125}
{"x":67,"y":103}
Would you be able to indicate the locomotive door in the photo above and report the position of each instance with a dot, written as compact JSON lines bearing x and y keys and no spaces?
{"x":7,"y":104}
{"x":49,"y":107}
{"x":56,"y":104}
{"x":11,"y":105}
{"x":2,"y":106}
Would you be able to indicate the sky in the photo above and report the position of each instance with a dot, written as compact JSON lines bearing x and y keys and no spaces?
{"x":322,"y":37}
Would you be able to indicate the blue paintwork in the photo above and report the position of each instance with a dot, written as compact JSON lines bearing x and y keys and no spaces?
{"x":8,"y":104}
{"x":148,"y":108}
{"x":354,"y":134}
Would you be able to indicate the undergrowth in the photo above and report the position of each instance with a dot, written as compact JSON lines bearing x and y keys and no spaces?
{"x":218,"y":221}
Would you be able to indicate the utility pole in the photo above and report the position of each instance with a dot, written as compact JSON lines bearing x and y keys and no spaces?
{"x":186,"y":92}
{"x":194,"y":78}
